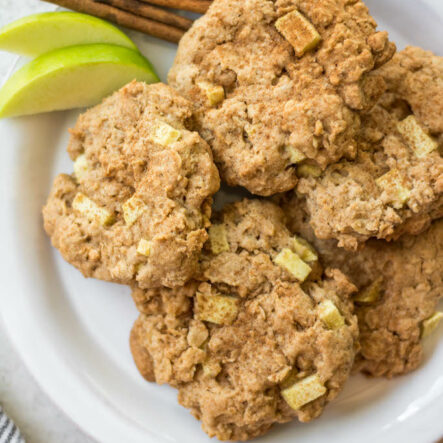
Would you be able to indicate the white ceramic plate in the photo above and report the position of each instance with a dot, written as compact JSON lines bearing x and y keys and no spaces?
{"x":73,"y":333}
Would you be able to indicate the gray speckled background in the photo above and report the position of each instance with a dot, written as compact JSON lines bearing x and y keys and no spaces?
{"x":39,"y":420}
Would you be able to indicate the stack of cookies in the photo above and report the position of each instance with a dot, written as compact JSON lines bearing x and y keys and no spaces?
{"x":259,"y":313}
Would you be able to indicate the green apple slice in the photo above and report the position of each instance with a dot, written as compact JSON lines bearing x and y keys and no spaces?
{"x":39,"y":33}
{"x":72,"y":77}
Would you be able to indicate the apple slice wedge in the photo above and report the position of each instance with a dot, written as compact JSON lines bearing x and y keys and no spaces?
{"x":72,"y":77}
{"x":39,"y":33}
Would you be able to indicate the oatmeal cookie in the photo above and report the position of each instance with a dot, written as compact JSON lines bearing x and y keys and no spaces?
{"x":138,"y":203}
{"x":399,"y":284}
{"x":395,"y":185}
{"x":415,"y":77}
{"x":277,"y":82}
{"x":256,"y":340}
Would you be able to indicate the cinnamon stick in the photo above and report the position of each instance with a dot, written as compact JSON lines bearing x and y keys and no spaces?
{"x":152,"y":12}
{"x":200,"y":6}
{"x":123,"y":18}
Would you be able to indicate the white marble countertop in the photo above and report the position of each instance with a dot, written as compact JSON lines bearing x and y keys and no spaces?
{"x":39,"y":420}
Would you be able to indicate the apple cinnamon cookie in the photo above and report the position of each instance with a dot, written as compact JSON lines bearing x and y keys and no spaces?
{"x":276,"y":83}
{"x":415,"y":78}
{"x":400,"y":284}
{"x":138,"y":203}
{"x":258,"y":339}
{"x":395,"y":185}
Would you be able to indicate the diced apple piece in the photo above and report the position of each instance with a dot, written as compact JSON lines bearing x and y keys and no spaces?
{"x":393,"y":184}
{"x":430,"y":324}
{"x":295,"y":155}
{"x":214,"y":93}
{"x":218,"y":239}
{"x":81,"y":167}
{"x":133,"y":209}
{"x":91,"y":210}
{"x":303,"y":392}
{"x":307,"y":171}
{"x":144,"y":247}
{"x":330,"y":315}
{"x":218,"y":309}
{"x":416,"y":138}
{"x":164,"y":134}
{"x":298,"y":31}
{"x":211,"y":368}
{"x":293,"y":264}
{"x":197,"y":334}
{"x":369,"y":294}
{"x":303,"y":249}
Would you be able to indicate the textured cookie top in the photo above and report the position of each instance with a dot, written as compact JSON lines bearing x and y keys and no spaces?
{"x":395,"y":185}
{"x":274,"y":83}
{"x":249,"y":344}
{"x":136,"y":208}
{"x":399,"y":285}
{"x":416,"y":76}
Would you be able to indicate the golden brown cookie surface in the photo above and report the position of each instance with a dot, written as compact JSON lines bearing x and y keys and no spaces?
{"x":276,"y":82}
{"x":137,"y":206}
{"x":395,"y":185}
{"x":249,"y":344}
{"x":399,"y":285}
